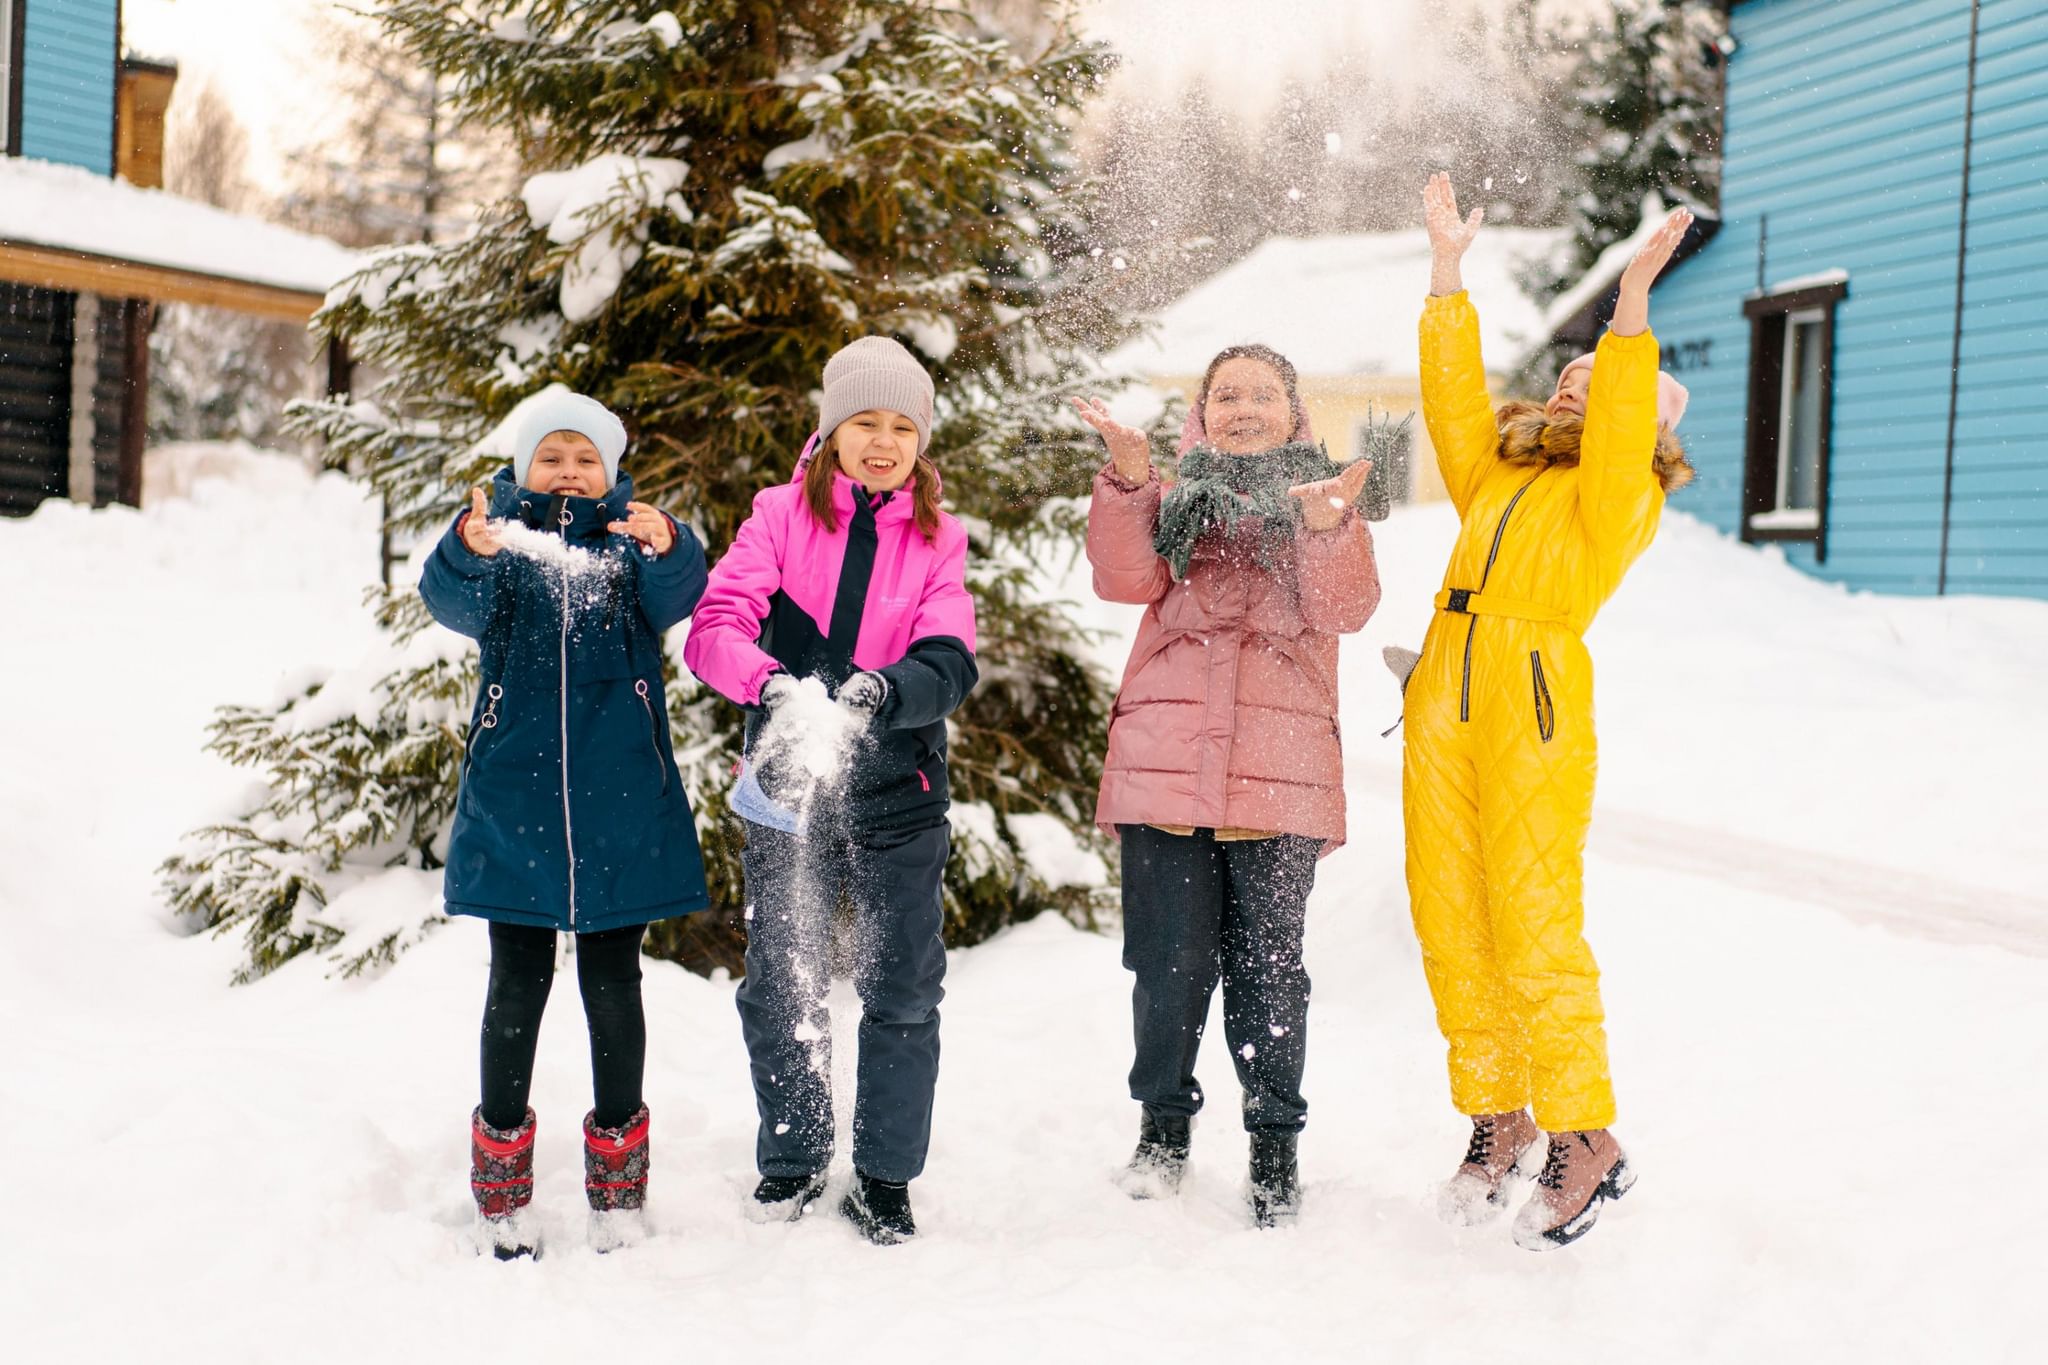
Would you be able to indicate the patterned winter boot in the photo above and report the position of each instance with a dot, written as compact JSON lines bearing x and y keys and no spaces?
{"x":501,"y":1178}
{"x":1583,"y":1171}
{"x":1156,"y":1168}
{"x":1275,"y":1180}
{"x":1479,"y":1190}
{"x":615,"y":1180}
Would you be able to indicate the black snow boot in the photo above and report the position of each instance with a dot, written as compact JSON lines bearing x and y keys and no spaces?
{"x":1275,"y":1192}
{"x":880,"y":1209}
{"x":1156,"y":1167}
{"x":785,"y":1198}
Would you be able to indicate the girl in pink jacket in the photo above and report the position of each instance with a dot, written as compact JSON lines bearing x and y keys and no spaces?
{"x":1225,"y":773}
{"x":849,"y":574}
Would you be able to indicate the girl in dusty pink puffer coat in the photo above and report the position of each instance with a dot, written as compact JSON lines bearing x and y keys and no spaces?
{"x":1225,"y":773}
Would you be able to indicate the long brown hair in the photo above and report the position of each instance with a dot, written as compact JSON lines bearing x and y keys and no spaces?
{"x":818,"y":489}
{"x":1265,"y":355}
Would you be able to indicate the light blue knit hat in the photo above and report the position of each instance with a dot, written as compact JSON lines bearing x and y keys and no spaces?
{"x":555,"y":408}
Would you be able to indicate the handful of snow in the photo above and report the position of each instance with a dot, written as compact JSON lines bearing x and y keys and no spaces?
{"x":812,"y":734}
{"x":551,"y":550}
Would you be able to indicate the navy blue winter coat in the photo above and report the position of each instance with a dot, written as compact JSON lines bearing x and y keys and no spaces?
{"x":572,"y":814}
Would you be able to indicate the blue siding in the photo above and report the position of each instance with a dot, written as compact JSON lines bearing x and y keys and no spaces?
{"x":1998,"y":524}
{"x":67,"y":82}
{"x":1845,"y":124}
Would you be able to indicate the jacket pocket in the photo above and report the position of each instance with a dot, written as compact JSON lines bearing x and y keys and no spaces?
{"x":653,"y":732}
{"x":487,"y":721}
{"x":1546,"y":713}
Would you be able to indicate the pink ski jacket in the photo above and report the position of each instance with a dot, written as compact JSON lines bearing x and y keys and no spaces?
{"x":1227,"y":716}
{"x":873,"y":595}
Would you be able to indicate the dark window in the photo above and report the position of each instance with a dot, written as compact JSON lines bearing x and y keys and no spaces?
{"x":1791,"y":402}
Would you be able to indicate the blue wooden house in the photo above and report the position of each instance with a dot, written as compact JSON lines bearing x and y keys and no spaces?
{"x":88,"y":249}
{"x":1866,"y":333}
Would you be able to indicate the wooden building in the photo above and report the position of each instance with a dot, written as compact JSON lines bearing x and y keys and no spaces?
{"x":89,"y":246}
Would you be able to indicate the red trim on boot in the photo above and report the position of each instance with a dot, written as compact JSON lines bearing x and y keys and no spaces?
{"x":500,"y":1165}
{"x":615,"y":1162}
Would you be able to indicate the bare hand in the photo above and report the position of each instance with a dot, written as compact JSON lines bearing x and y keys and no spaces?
{"x":1129,"y":448}
{"x":476,"y":527}
{"x":1324,"y":503}
{"x":647,"y":525}
{"x":1449,"y":235}
{"x":1632,"y":307}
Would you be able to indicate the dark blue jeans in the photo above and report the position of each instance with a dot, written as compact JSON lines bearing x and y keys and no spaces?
{"x":892,"y":881}
{"x":1196,"y":911}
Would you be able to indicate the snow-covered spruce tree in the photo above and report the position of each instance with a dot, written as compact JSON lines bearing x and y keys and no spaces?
{"x":1646,"y":116}
{"x":743,"y":187}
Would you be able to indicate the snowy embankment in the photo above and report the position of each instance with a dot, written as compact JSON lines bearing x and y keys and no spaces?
{"x":1818,"y":885}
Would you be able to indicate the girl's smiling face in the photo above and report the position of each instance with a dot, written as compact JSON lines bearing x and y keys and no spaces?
{"x":567,"y":462}
{"x":1569,"y":399}
{"x":1246,"y":410}
{"x":877,"y":449}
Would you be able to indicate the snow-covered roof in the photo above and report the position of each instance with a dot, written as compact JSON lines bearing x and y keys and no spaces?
{"x":1345,"y":304}
{"x":1606,"y":269}
{"x":64,"y":208}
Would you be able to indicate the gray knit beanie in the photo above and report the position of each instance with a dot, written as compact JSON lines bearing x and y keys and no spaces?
{"x":876,"y":372}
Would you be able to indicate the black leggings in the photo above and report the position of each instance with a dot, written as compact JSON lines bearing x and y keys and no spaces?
{"x":522,"y":969}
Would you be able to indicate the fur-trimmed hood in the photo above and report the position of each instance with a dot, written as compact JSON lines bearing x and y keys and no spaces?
{"x":1528,"y":438}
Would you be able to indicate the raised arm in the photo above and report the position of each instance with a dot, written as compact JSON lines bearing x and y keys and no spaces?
{"x":1620,"y":498}
{"x":1335,"y":572}
{"x":455,"y":582}
{"x":1123,"y":512}
{"x":672,"y":582}
{"x":1455,"y":406}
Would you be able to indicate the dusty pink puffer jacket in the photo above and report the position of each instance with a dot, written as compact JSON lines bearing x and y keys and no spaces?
{"x":1227,"y":717}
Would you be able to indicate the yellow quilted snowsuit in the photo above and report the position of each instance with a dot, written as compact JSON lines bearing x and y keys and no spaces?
{"x":1497,"y":775}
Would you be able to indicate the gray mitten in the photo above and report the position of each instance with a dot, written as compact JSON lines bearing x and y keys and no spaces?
{"x":1401,"y":663}
{"x":864,"y":693}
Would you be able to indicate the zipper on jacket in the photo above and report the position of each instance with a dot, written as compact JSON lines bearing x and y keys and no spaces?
{"x":1492,"y":553}
{"x":653,"y":733}
{"x":487,"y":721}
{"x":568,"y":833}
{"x":1546,"y":713}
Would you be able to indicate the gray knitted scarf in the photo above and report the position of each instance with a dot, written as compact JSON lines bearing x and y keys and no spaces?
{"x":1218,"y":491}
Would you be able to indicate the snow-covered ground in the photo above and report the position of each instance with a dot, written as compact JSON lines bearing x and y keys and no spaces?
{"x":1818,"y":886}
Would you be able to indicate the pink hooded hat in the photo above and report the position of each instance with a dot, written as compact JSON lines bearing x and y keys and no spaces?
{"x":1671,"y":395}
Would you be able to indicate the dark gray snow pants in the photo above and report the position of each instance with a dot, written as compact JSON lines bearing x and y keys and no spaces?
{"x":892,"y":880}
{"x":1195,"y":911}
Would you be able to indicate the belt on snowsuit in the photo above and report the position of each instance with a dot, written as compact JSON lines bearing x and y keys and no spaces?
{"x":1470,"y":603}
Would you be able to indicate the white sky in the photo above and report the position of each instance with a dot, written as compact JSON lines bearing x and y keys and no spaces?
{"x":262,"y":55}
{"x":1247,"y":49}
{"x":265,"y":58}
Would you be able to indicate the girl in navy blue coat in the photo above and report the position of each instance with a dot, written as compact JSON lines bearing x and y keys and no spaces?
{"x":572,"y":816}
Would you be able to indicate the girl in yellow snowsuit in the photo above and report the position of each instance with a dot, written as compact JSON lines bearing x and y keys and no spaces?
{"x":1555,"y":503}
